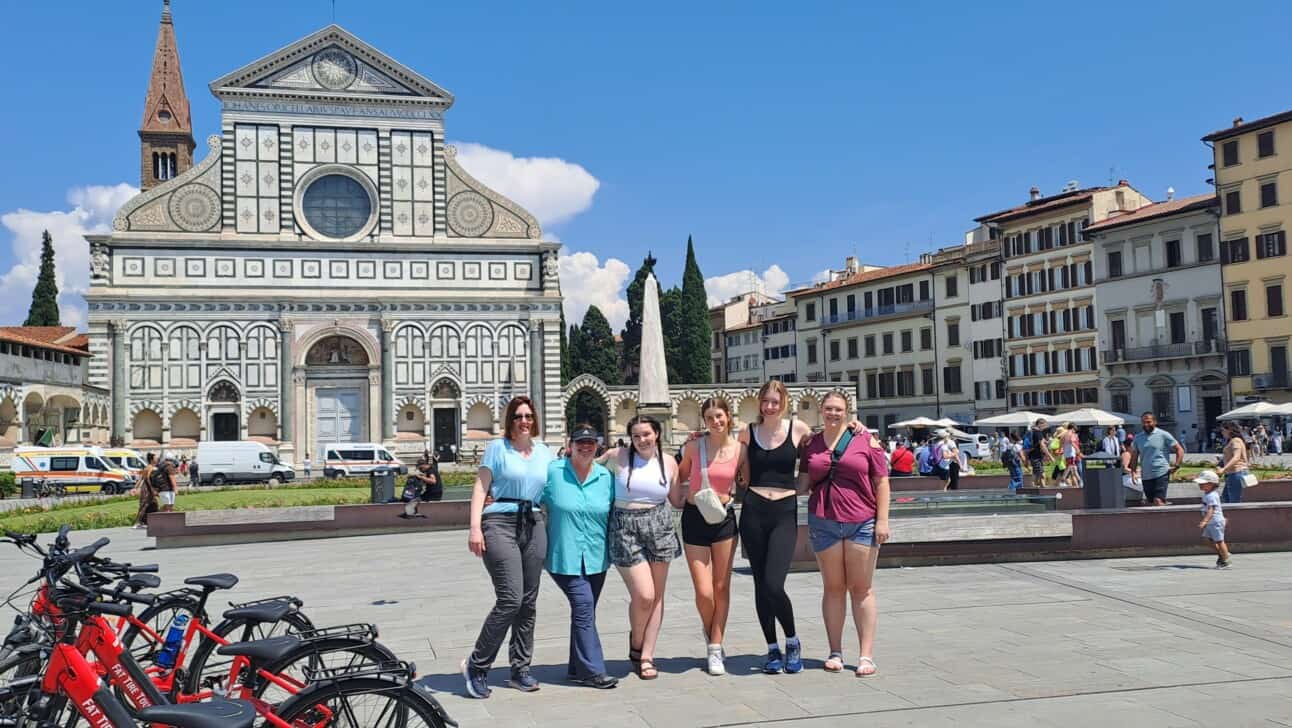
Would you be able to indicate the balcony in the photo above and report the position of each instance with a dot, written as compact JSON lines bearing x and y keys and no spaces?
{"x":1271,"y":380}
{"x":1164,"y":351}
{"x":878,"y":312}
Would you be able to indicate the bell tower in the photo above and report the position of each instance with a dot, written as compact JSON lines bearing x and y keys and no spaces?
{"x":166,"y":134}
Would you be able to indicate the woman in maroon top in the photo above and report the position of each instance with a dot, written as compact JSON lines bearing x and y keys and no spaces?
{"x":848,"y":522}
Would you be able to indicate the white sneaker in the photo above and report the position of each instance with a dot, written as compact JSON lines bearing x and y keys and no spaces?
{"x":716,"y":656}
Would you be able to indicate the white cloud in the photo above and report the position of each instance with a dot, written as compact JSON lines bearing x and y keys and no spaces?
{"x":823,"y":276}
{"x":724,"y":287}
{"x":552,"y":189}
{"x":585,"y":281}
{"x":92,"y":210}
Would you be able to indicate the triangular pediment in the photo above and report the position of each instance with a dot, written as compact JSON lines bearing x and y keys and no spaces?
{"x":331,"y":63}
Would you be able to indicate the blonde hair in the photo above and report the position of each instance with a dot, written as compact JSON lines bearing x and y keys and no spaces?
{"x":777,"y":386}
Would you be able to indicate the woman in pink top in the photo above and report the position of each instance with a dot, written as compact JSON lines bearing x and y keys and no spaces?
{"x":711,"y":548}
{"x":847,"y":522}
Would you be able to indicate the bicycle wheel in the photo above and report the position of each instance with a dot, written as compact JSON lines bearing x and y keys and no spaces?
{"x":365,"y":702}
{"x":348,"y":653}
{"x":15,"y":666}
{"x":206,"y":668}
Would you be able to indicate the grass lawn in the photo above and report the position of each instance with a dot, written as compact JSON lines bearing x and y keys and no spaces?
{"x":120,"y":511}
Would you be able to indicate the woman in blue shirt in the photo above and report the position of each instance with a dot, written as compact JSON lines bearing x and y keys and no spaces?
{"x":510,"y":537}
{"x":578,"y":498}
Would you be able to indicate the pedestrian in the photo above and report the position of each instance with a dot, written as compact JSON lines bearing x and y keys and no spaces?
{"x":950,"y":458}
{"x":1213,"y":516}
{"x":183,"y":465}
{"x":924,"y":458}
{"x":1234,"y":464}
{"x":1038,"y":454}
{"x":162,"y":479}
{"x":307,"y":464}
{"x":578,"y":497}
{"x":194,"y":475}
{"x":643,"y":538}
{"x":427,"y":479}
{"x":147,"y":496}
{"x":847,"y":477}
{"x":902,"y":461}
{"x":713,"y":461}
{"x":1071,"y":455}
{"x":1055,"y":446}
{"x":510,"y":537}
{"x":1150,"y":454}
{"x":1276,"y":442}
{"x":1011,"y":458}
{"x":1111,"y":445}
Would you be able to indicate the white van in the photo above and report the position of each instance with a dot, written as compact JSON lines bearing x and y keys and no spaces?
{"x":131,"y":461}
{"x":977,"y":446}
{"x":76,"y":469}
{"x":343,"y":459}
{"x":240,"y":461}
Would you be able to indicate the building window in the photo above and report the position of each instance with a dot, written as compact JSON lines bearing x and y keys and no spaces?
{"x":337,"y":206}
{"x":926,"y":379}
{"x":834,"y":309}
{"x":953,"y":333}
{"x":1238,"y":305}
{"x":1173,"y":254}
{"x":811,"y":352}
{"x":852,"y":305}
{"x":810,"y":312}
{"x":1229,"y":153}
{"x":924,"y":290}
{"x":1205,"y":252}
{"x":951,"y":379}
{"x":1176,"y":327}
{"x":1265,"y":144}
{"x":1233,"y":203}
{"x":1274,"y":300}
{"x":926,"y":339}
{"x":906,"y":383}
{"x":1271,"y":245}
{"x":870,"y":345}
{"x":1240,"y":363}
{"x":1000,"y":389}
{"x":1269,"y":194}
{"x":834,"y":350}
{"x":1162,"y":405}
{"x":852,"y":348}
{"x":906,"y":341}
{"x":1115,"y":264}
{"x":1234,"y":251}
{"x":953,"y":285}
{"x":888,"y":343}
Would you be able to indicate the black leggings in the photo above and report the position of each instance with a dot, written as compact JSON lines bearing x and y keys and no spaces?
{"x":769,"y":530}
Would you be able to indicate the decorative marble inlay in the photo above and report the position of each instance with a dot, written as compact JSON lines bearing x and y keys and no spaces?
{"x":367,"y":147}
{"x":133,"y":266}
{"x":303,"y":144}
{"x":471,"y":271}
{"x":255,"y":268}
{"x":523,"y":271}
{"x":393,"y":269}
{"x":419,"y":269}
{"x":164,"y":267}
{"x":444,"y":270}
{"x":195,"y":207}
{"x":282,"y":268}
{"x":470,"y":214}
{"x":246,"y":142}
{"x":225,"y":267}
{"x":246,"y":178}
{"x":195,"y":267}
{"x":334,"y":68}
{"x":497,"y":271}
{"x":311,"y":268}
{"x":366,"y":269}
{"x":403,"y":217}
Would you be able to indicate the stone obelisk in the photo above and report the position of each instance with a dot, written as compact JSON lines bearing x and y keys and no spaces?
{"x":652,"y":392}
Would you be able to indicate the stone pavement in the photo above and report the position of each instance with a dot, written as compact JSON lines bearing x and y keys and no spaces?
{"x":1146,"y":642}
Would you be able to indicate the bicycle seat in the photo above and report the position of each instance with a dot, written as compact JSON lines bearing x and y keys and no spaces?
{"x":262,"y":652}
{"x":143,"y":581}
{"x":215,"y":713}
{"x":213,"y":581}
{"x":264,"y":612}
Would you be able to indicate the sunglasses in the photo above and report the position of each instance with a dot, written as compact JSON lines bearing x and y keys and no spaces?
{"x":522,"y":416}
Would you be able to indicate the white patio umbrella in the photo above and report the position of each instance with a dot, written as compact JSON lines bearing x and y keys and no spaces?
{"x":1253,"y":411}
{"x":917,"y":422}
{"x":1021,"y":418}
{"x":1090,"y":417}
{"x":946,"y":422}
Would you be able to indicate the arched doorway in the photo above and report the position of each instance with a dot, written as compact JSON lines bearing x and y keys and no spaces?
{"x":337,"y":373}
{"x":446,"y":418}
{"x":222,"y":404}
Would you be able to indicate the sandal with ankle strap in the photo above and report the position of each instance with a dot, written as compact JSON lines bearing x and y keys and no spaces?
{"x":862,"y":664}
{"x":646,"y":670}
{"x":834,"y":663}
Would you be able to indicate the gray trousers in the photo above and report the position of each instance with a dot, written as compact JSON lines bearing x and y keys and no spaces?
{"x":515,"y":563}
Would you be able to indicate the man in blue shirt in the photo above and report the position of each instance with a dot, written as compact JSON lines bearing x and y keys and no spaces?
{"x":1150,"y":452}
{"x":922,"y":459}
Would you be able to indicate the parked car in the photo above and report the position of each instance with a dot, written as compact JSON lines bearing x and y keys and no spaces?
{"x":240,"y":461}
{"x":977,"y":446}
{"x":343,"y":459}
{"x":72,"y":469}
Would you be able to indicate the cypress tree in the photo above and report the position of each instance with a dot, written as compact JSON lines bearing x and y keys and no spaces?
{"x":595,"y":350}
{"x":670,"y":317}
{"x":630,"y":357}
{"x":694,"y":366}
{"x":44,"y":299}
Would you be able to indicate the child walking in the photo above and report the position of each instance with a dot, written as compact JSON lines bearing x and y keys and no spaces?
{"x":1213,"y":517}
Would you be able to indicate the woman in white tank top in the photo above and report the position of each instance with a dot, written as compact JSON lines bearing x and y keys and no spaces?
{"x":643,"y":539}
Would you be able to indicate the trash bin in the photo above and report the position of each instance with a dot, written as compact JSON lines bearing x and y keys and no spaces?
{"x":1102,"y":475}
{"x":382,"y":481}
{"x":28,"y":488}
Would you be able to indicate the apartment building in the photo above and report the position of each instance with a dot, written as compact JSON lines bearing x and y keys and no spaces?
{"x":1159,"y":310}
{"x":1049,"y":293}
{"x":876,"y":328}
{"x":744,"y":352}
{"x":728,"y":316}
{"x":1253,"y":177}
{"x":969,"y":345}
{"x":779,"y":332}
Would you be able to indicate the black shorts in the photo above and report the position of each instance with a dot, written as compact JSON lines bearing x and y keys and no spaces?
{"x":698,"y":532}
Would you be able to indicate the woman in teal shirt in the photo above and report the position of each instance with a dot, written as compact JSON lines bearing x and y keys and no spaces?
{"x":578,"y":497}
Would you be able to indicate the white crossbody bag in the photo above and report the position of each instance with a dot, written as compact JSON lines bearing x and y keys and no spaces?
{"x":707,"y":499}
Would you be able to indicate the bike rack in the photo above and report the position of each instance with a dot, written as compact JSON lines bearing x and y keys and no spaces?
{"x":361,"y":631}
{"x":401,"y":671}
{"x":296,"y":601}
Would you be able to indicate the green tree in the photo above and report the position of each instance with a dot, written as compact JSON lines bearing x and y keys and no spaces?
{"x":694,"y":365}
{"x":594,"y":349}
{"x":670,"y":317}
{"x":630,"y":356}
{"x":44,"y":299}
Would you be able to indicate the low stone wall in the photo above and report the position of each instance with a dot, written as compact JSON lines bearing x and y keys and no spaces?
{"x":968,"y":482}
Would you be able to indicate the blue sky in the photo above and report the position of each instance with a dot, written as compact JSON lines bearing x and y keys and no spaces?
{"x":786,"y":134}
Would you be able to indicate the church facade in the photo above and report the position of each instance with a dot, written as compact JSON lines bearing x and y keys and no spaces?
{"x":326,"y":272}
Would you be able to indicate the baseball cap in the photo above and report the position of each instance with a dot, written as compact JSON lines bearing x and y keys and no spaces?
{"x":585,"y":433}
{"x":1207,"y":476}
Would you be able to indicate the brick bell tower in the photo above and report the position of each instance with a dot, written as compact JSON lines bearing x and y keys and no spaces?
{"x":166,"y":134}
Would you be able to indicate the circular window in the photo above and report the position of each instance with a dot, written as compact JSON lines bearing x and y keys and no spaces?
{"x":337,"y":206}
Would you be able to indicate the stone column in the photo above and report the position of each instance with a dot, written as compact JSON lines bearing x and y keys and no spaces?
{"x":287,"y":401}
{"x":387,"y":382}
{"x":118,"y":331}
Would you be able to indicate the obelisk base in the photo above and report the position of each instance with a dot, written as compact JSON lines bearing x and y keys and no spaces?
{"x":663,"y":413}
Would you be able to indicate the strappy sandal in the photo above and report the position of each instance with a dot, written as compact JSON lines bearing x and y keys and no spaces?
{"x":862,"y":664}
{"x":834,"y":663}
{"x":646,"y":670}
{"x":634,"y":653}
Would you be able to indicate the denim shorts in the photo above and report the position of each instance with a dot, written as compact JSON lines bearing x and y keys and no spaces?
{"x":1214,"y":531}
{"x":826,"y":532}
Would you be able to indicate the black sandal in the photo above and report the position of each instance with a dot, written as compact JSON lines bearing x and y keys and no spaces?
{"x":634,"y":653}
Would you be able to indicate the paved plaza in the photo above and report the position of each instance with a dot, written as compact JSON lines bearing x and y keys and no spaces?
{"x":1145,"y":642}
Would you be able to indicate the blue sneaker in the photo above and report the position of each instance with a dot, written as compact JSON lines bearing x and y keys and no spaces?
{"x":523,"y":682}
{"x":793,"y":656}
{"x":477,"y":681}
{"x":775,"y":663}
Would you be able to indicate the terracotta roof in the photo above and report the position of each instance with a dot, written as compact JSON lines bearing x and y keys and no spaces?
{"x":54,"y":338}
{"x":865,"y":277}
{"x":1032,"y":207}
{"x":166,"y":85}
{"x":1246,"y":126}
{"x":1156,"y":210}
